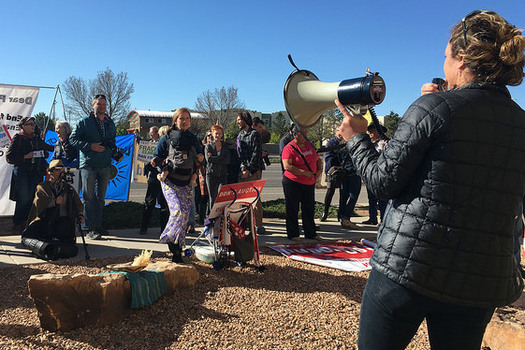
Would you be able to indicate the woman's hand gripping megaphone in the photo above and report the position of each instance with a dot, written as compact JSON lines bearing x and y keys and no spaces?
{"x":354,"y":123}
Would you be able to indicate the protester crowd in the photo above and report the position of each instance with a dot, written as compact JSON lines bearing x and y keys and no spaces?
{"x":184,"y":177}
{"x":448,"y":187}
{"x":91,"y":146}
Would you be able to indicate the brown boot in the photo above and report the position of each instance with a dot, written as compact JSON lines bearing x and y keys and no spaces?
{"x":345,"y":223}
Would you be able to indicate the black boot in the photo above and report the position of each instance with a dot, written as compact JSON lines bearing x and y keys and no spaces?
{"x":176,"y":250}
{"x":325,"y":214}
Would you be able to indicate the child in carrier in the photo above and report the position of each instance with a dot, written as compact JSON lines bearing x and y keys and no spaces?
{"x":164,"y":174}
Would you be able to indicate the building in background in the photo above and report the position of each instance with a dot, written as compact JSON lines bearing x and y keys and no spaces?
{"x":143,"y":120}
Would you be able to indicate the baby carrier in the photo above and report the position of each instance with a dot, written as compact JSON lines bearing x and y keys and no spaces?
{"x":182,"y":158}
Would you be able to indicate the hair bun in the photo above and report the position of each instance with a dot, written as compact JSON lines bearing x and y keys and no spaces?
{"x":511,"y":51}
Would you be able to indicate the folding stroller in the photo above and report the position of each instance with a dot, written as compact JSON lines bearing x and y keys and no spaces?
{"x":231,"y":233}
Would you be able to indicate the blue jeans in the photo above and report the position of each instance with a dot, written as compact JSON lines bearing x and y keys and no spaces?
{"x":94,"y":186}
{"x":391,"y":315}
{"x":348,"y":194}
{"x":25,"y":182}
{"x":374,"y":204}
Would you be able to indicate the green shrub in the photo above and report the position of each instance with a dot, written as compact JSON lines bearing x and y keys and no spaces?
{"x":129,"y":214}
{"x":126,"y":215}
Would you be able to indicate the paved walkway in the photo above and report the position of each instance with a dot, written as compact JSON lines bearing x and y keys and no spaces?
{"x":128,"y":242}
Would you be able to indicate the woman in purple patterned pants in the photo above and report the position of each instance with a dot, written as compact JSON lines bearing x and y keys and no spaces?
{"x":175,"y":180}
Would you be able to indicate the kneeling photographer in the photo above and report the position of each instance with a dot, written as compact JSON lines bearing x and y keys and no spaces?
{"x":56,"y":208}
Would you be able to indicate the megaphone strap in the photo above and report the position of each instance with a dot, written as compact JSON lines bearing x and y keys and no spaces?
{"x":302,"y":156}
{"x":292,"y":62}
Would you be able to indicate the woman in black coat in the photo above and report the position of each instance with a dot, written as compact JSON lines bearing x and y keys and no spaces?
{"x":217,"y":155}
{"x":28,"y":153}
{"x":454,"y":173}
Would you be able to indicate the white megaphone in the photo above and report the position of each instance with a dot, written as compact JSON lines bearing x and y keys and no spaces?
{"x":306,"y":98}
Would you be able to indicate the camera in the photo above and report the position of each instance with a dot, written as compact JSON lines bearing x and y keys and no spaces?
{"x":68,"y":175}
{"x":110,"y":143}
{"x":117,"y":155}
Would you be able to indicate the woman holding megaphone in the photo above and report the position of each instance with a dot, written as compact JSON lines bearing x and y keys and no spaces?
{"x":454,"y":175}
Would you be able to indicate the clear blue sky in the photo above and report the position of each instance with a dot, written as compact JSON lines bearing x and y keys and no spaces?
{"x":173,"y":51}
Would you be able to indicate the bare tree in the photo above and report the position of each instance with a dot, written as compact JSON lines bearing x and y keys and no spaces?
{"x":324,"y":129}
{"x":220,"y":105}
{"x":77,"y":95}
{"x":117,"y":90}
{"x":115,"y":87}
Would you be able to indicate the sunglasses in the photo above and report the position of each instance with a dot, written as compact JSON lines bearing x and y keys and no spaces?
{"x":470,"y":15}
{"x":30,"y":124}
{"x":99,"y":96}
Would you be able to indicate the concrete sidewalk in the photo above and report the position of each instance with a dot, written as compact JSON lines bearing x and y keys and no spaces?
{"x":128,"y":242}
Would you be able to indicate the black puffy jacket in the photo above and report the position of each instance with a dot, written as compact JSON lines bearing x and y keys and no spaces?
{"x":455,"y":174}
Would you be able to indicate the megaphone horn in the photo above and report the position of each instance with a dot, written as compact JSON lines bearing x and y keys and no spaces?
{"x":306,"y":98}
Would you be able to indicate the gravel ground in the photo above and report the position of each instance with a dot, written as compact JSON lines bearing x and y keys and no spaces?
{"x":291,"y":305}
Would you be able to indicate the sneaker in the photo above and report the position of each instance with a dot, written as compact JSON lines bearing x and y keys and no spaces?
{"x":261,"y":230}
{"x":370,"y":222}
{"x":296,"y":239}
{"x":94,"y":235}
{"x":345,"y":223}
{"x":315,"y":238}
{"x":324,"y":217}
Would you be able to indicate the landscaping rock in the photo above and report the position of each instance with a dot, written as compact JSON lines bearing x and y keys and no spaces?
{"x":506,"y":330}
{"x":176,"y":275}
{"x":66,"y":302}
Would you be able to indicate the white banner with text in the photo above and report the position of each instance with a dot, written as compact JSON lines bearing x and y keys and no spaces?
{"x":16,"y":102}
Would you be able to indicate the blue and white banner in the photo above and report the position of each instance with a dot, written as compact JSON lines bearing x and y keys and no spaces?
{"x":16,"y":102}
{"x":119,"y":183}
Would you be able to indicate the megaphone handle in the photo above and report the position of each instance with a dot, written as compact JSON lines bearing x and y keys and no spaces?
{"x":379,"y":127}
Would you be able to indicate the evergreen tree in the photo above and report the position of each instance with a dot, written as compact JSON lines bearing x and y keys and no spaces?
{"x":391,"y":123}
{"x":280,"y":125}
